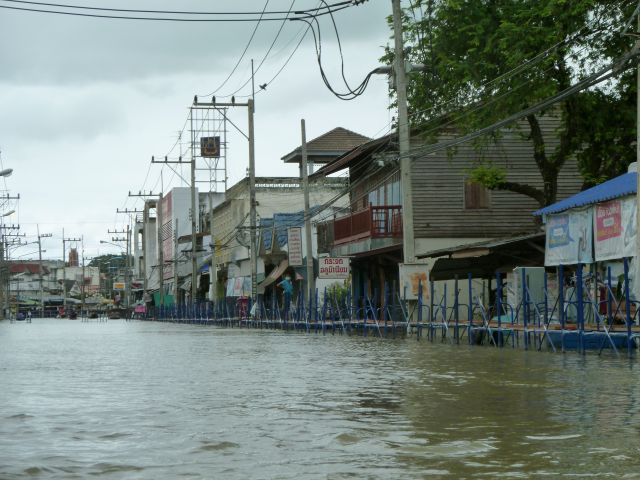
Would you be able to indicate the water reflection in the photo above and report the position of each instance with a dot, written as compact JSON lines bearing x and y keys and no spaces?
{"x":146,"y":400}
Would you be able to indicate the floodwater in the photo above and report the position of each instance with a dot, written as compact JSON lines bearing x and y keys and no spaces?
{"x":141,"y":400}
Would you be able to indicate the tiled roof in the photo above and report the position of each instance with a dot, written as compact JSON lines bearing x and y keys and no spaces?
{"x":32,"y":268}
{"x":329,"y":145}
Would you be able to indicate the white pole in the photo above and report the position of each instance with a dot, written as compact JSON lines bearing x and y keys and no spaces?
{"x":403,"y":136}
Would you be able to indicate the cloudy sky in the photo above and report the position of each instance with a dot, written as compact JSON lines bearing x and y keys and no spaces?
{"x":85,"y":102}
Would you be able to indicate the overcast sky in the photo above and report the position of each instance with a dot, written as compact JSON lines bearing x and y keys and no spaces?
{"x":86,"y":102}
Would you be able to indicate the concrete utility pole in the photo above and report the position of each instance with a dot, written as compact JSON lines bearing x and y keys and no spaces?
{"x":160,"y":250}
{"x":311,"y":281}
{"x":403,"y":135}
{"x":252,"y":207}
{"x":253,"y":254}
{"x":127,"y":271}
{"x":194,"y":218}
{"x":41,"y":236}
{"x":176,"y":276}
{"x":6,"y":279}
{"x":213,"y":274}
{"x":148,"y":203}
{"x":64,"y":268}
{"x":130,"y":251}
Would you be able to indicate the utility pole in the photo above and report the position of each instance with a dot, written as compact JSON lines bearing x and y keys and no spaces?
{"x":130,"y":249}
{"x":194,"y":214}
{"x":64,"y":268}
{"x":253,"y":254}
{"x":311,"y":281}
{"x":127,"y":270}
{"x":40,"y":237}
{"x":403,"y":135}
{"x":160,"y":250}
{"x":6,"y":283}
{"x":176,"y":277}
{"x":148,"y":204}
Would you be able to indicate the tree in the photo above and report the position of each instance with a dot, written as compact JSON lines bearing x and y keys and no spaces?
{"x":488,"y":59}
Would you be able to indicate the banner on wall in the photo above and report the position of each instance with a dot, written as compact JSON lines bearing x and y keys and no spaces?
{"x":615,"y":229}
{"x":238,"y":287}
{"x":569,"y":238}
{"x":412,"y":275}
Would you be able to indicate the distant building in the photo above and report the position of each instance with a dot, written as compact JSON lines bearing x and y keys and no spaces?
{"x":73,"y":258}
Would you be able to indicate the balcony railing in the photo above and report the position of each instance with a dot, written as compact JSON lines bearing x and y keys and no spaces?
{"x":376,"y":222}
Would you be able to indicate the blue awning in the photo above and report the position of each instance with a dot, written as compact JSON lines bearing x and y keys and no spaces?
{"x":616,"y":187}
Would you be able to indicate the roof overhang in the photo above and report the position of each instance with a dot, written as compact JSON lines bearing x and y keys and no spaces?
{"x":354,"y":155}
{"x":484,"y":259}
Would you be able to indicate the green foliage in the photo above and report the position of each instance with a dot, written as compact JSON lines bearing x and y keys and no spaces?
{"x":489,"y":176}
{"x":488,"y":59}
{"x":338,"y":291}
{"x":108,"y":262}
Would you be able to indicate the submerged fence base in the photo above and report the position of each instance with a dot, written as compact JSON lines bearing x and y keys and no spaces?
{"x":586,"y":313}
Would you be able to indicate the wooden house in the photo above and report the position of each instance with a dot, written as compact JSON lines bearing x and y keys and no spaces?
{"x":449,"y":210}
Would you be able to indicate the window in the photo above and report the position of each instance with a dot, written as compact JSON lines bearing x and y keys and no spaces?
{"x":476,"y":197}
{"x":395,"y":198}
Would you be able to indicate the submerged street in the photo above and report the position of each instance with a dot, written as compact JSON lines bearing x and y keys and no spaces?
{"x":152,"y":400}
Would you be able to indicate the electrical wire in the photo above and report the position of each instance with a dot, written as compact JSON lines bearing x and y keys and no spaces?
{"x":253,"y":33}
{"x":275,"y":39}
{"x":351,"y":94}
{"x":178,"y":12}
{"x":616,"y":66}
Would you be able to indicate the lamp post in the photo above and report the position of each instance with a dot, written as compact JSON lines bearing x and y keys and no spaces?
{"x":4,"y":271}
{"x":3,"y":255}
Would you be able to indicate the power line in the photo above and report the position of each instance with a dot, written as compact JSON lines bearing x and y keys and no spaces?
{"x":237,"y":18}
{"x":255,"y":29}
{"x":267,"y":53}
{"x":601,"y":75}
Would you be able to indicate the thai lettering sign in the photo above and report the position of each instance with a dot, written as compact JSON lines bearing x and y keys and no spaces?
{"x":294,"y":245}
{"x":118,"y":285}
{"x":414,"y":281}
{"x":615,"y":229}
{"x":333,"y":267}
{"x":569,"y":238}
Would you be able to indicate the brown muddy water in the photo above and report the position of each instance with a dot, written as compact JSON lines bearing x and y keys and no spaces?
{"x":139,"y":400}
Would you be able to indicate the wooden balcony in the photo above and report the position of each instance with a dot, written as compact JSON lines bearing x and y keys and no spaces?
{"x":376,"y":222}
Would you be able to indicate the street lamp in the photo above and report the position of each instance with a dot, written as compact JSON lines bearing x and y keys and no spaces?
{"x":5,"y":173}
{"x":5,"y":264}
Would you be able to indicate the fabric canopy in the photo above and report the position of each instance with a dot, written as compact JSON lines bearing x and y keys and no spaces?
{"x":273,"y":276}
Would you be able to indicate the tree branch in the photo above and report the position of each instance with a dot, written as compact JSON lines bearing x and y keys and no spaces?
{"x":523,"y":189}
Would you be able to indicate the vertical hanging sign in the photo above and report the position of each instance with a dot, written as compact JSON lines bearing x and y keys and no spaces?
{"x":615,"y":229}
{"x":294,"y":245}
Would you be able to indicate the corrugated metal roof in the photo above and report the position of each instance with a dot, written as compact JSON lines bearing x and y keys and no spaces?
{"x":495,"y":243}
{"x":331,"y":144}
{"x":354,"y":155}
{"x":616,"y":187}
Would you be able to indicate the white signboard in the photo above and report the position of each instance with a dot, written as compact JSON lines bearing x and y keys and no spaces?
{"x":333,"y":267}
{"x":294,"y":245}
{"x":412,"y":276}
{"x":614,"y":225}
{"x":569,"y":238}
